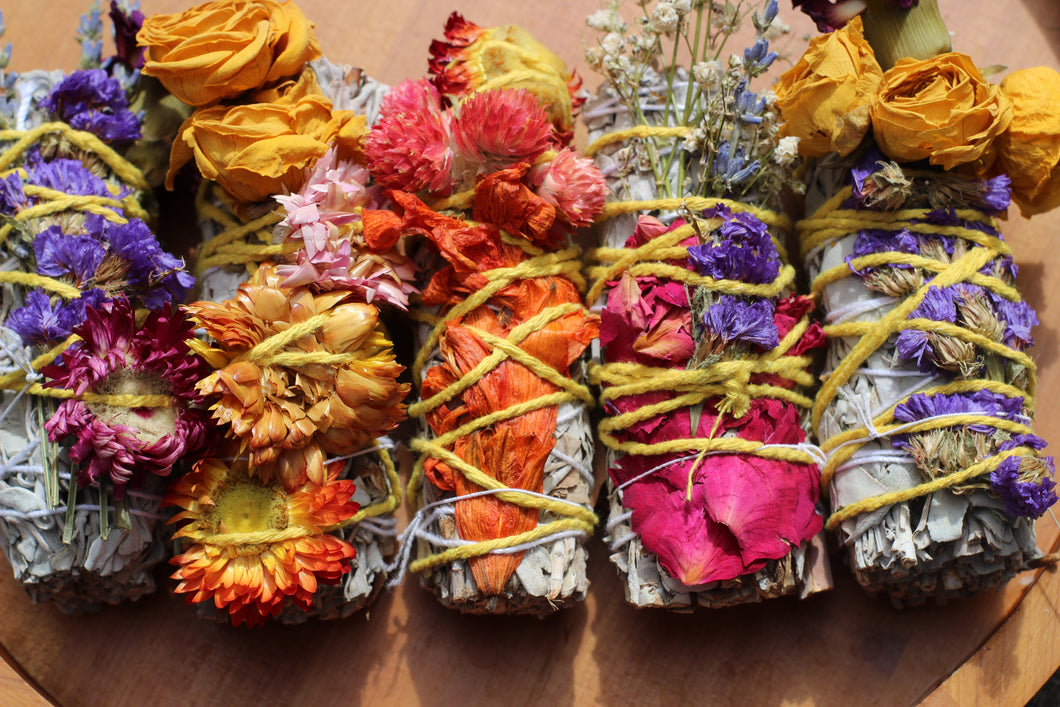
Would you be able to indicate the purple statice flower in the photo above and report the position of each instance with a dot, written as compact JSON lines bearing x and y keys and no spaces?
{"x":1027,"y":499}
{"x":67,"y":176}
{"x":92,"y":101}
{"x":1003,"y":268}
{"x":865,"y":167}
{"x":1025,"y":440}
{"x":938,"y":304}
{"x":126,"y":23}
{"x":995,"y":194}
{"x":12,"y":194}
{"x":942,"y":217}
{"x":982,"y":402}
{"x":915,"y":345}
{"x":1019,"y":318}
{"x":744,"y":252}
{"x":42,"y":321}
{"x":875,"y":241}
{"x":73,"y":258}
{"x":735,"y":319}
{"x":154,"y":276}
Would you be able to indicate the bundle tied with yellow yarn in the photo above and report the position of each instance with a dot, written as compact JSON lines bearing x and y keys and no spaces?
{"x":934,"y":473}
{"x":96,"y":397}
{"x":305,"y":382}
{"x":479,"y":173}
{"x":704,"y":355}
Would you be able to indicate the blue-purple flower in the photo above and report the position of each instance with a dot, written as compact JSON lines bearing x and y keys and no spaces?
{"x":1024,"y":497}
{"x":744,"y":250}
{"x":1019,"y":318}
{"x":44,"y":320}
{"x":91,"y":100}
{"x":74,"y":258}
{"x":982,"y":402}
{"x":733,"y":319}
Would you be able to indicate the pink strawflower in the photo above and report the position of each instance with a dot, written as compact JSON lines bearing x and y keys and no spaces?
{"x":115,"y":357}
{"x":501,"y":128}
{"x":408,"y":148}
{"x":573,"y":185}
{"x":325,"y":216}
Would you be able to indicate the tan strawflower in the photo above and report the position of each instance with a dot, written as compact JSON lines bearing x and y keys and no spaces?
{"x":296,"y":368}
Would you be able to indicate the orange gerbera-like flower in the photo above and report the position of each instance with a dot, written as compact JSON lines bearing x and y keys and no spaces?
{"x":251,"y":545}
{"x":298,"y":369}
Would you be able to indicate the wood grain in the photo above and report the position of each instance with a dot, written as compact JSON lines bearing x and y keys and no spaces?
{"x":841,"y":648}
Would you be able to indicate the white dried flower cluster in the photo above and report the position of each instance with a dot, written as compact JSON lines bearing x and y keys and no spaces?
{"x":708,"y":74}
{"x":607,"y":20}
{"x":664,"y":18}
{"x":731,"y":148}
{"x":787,"y":151}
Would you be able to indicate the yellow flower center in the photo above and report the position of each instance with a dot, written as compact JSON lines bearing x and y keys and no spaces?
{"x":249,"y":506}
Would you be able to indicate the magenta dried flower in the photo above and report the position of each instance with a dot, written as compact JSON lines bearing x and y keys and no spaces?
{"x":117,"y":357}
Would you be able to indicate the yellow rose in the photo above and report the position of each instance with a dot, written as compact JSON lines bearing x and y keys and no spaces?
{"x":223,"y":48}
{"x":824,"y":99}
{"x":941,"y":109}
{"x":1029,"y":151}
{"x":260,"y":149}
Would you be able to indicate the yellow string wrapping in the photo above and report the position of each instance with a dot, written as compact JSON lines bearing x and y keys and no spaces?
{"x":564,"y":263}
{"x":830,"y":223}
{"x":237,"y":243}
{"x":729,"y":380}
{"x":114,"y":210}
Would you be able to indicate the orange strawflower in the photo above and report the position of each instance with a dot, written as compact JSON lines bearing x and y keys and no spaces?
{"x":334,"y":386}
{"x":251,"y":545}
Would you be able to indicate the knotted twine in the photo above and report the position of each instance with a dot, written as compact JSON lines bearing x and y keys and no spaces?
{"x":572,"y":517}
{"x":830,"y":223}
{"x":687,"y":388}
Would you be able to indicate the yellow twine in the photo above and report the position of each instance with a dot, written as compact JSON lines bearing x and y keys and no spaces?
{"x":87,"y":142}
{"x":52,"y":202}
{"x":564,"y":263}
{"x":234,"y":244}
{"x":727,"y":379}
{"x":830,"y":223}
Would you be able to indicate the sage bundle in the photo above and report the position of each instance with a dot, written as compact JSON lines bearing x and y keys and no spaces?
{"x":294,"y":517}
{"x":98,"y":402}
{"x":704,"y":347}
{"x":475,"y":165}
{"x":934,"y":473}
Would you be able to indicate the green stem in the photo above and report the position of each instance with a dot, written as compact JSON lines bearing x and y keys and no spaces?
{"x":895,"y":33}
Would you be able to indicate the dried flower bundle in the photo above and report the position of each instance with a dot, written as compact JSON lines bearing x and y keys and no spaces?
{"x":99,"y":401}
{"x":475,"y":163}
{"x":303,"y":378}
{"x":704,"y":346}
{"x":934,"y":473}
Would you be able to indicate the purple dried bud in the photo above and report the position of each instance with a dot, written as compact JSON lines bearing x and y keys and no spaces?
{"x":735,"y":319}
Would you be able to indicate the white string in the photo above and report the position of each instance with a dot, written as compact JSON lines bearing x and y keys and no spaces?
{"x":857,"y":308}
{"x":431,"y":513}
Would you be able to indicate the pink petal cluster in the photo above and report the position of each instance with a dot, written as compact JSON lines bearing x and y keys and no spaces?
{"x":417,"y":145}
{"x":743,"y":510}
{"x":325,"y":216}
{"x":115,"y":356}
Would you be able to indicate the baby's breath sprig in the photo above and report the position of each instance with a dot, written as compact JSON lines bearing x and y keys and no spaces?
{"x":731,"y":148}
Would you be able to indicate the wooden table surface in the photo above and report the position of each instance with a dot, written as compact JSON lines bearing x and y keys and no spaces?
{"x":840,"y":648}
